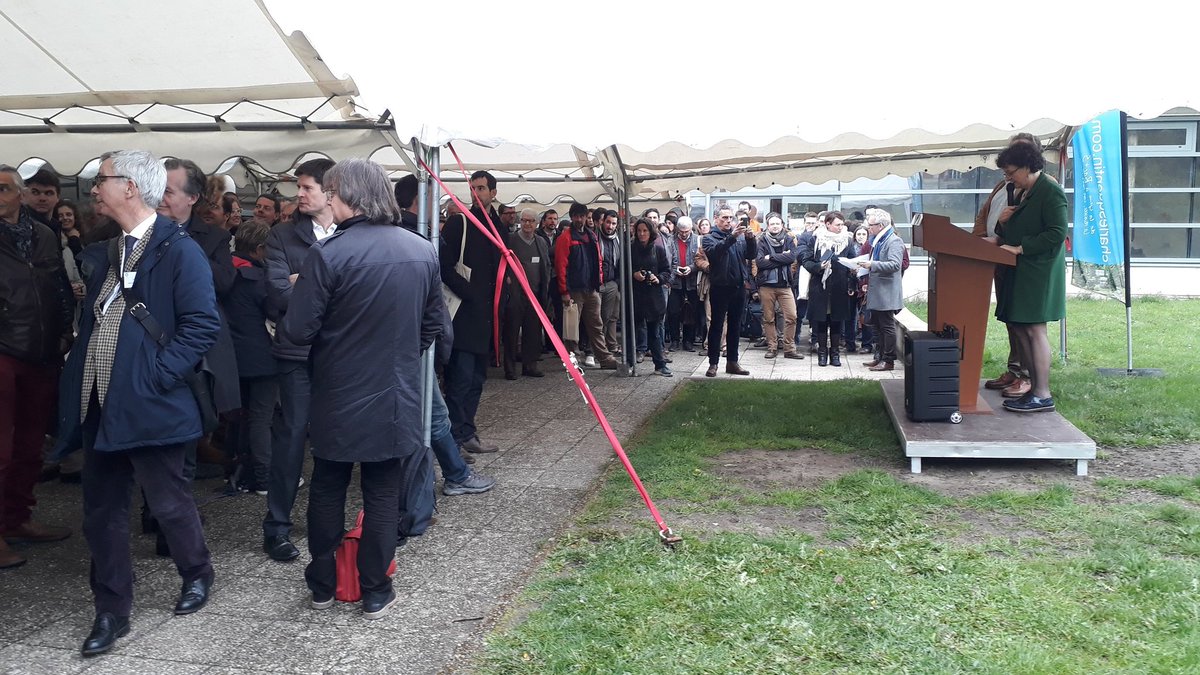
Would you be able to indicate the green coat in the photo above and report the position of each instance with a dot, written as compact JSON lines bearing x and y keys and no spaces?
{"x":1035,"y":291}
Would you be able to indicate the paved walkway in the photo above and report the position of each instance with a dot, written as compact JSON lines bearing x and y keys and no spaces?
{"x":779,"y":368}
{"x":453,"y":582}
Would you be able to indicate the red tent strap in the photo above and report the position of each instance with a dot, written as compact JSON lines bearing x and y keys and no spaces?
{"x":518,"y":271}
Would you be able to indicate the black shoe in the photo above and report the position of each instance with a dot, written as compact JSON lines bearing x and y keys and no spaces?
{"x":105,"y":631}
{"x":194,"y":595}
{"x":835,"y":359}
{"x":822,"y":358}
{"x":280,"y":548}
{"x":376,"y":606}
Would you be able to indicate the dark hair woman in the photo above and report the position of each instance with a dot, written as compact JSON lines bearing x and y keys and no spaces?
{"x":829,"y":284}
{"x":651,"y":273}
{"x":1034,"y":292}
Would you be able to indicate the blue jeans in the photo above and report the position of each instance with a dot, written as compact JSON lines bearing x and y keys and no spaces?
{"x":454,"y":468}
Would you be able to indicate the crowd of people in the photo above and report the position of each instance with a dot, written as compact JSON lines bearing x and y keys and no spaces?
{"x":135,"y":324}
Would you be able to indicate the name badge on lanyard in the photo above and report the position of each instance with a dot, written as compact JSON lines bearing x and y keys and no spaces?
{"x":129,"y":278}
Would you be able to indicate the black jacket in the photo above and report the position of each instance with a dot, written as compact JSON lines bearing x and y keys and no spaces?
{"x":245,"y":307}
{"x":369,"y":302}
{"x":828,"y":300}
{"x":649,"y":304}
{"x":36,"y":304}
{"x":725,"y":255}
{"x":288,"y":246}
{"x":473,"y":322}
{"x":775,"y":265}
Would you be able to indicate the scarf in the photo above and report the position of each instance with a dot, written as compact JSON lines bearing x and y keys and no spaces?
{"x":826,"y":243}
{"x":21,"y":233}
{"x":775,"y":241}
{"x":877,"y":243}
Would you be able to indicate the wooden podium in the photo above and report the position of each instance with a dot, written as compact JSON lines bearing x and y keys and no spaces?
{"x":961,"y":269}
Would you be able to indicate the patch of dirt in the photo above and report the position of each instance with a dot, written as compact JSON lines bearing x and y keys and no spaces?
{"x":1134,"y":463}
{"x":808,"y":468}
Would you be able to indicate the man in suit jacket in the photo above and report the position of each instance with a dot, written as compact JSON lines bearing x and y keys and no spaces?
{"x":885,"y":290}
{"x":288,"y":247}
{"x":125,"y":397}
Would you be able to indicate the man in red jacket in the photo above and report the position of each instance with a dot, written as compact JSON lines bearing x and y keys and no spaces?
{"x":577,"y":259}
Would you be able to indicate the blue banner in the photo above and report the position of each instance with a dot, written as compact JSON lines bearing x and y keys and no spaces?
{"x":1098,"y":242}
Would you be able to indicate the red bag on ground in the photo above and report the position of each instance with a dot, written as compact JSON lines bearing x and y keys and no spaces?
{"x":346,"y":563}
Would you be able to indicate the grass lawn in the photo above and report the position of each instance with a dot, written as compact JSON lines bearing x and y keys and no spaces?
{"x":868,"y":570}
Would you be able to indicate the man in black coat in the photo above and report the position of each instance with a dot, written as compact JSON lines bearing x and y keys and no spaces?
{"x":185,"y":190}
{"x":288,"y":247}
{"x":726,"y":247}
{"x":469,"y":262}
{"x":369,"y":302}
{"x":36,"y":308}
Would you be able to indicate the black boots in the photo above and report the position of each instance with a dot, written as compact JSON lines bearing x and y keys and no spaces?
{"x":835,"y":351}
{"x":822,"y":357}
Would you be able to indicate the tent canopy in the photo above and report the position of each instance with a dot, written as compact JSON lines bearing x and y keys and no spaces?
{"x":223,"y":80}
{"x":207,"y":81}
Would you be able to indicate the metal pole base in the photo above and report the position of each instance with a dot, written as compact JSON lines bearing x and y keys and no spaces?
{"x":1131,"y":372}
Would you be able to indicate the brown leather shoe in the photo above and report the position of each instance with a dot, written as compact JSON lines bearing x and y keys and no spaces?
{"x":34,"y":533}
{"x":1005,"y":380}
{"x":9,"y":558}
{"x":872,"y":364}
{"x":711,"y":372}
{"x":1017,"y":389}
{"x":733,"y":368}
{"x":882,"y":366}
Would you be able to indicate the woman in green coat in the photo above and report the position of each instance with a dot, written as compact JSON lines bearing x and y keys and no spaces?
{"x":1035,"y":291}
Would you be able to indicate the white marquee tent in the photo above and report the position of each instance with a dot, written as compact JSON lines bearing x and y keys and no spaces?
{"x":220,"y":80}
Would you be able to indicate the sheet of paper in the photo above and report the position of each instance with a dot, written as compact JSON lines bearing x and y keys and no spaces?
{"x":852,"y":263}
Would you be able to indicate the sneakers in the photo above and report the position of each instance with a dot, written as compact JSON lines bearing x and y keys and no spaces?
{"x":770,"y":354}
{"x":664,"y":371}
{"x":641,"y":356}
{"x":589,"y":362}
{"x":322,"y":603}
{"x":761,"y":344}
{"x":473,"y":484}
{"x":1029,"y":403}
{"x":375,"y":608}
{"x":793,"y":355}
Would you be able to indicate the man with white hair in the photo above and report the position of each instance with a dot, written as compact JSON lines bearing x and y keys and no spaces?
{"x":685,"y":312}
{"x":521,"y":324}
{"x":885,"y":294}
{"x":135,"y":415}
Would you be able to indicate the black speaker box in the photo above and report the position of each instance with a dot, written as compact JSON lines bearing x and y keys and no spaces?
{"x":930,"y":377}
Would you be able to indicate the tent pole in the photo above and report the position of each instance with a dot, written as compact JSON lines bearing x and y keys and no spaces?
{"x":427,"y":196}
{"x":1127,"y":235}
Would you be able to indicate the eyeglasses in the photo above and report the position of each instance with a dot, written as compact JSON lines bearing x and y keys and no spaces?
{"x":1009,"y":173}
{"x":100,"y":178}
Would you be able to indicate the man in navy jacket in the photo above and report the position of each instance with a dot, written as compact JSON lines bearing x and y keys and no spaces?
{"x":727,"y":247}
{"x":126,"y":394}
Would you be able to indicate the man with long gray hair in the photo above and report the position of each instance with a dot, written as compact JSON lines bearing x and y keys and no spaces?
{"x":368,"y":301}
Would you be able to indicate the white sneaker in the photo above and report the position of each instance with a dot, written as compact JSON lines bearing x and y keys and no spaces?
{"x":589,"y":362}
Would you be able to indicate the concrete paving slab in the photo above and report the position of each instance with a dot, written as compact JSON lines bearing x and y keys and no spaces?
{"x":454,"y":581}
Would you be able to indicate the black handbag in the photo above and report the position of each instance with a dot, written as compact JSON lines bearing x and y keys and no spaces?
{"x":200,"y":380}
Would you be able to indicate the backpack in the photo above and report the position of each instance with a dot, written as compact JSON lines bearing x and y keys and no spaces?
{"x":346,"y":563}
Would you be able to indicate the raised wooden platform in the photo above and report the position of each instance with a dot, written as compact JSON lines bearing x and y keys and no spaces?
{"x":1004,"y":435}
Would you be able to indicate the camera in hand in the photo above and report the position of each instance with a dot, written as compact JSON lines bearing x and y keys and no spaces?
{"x":744,"y":221}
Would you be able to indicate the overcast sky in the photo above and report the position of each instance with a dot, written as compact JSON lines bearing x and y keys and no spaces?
{"x":644,"y":73}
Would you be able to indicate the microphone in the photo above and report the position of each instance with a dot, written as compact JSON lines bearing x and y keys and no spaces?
{"x":1011,"y":188}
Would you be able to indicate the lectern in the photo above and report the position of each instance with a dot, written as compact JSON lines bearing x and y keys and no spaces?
{"x":961,"y":269}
